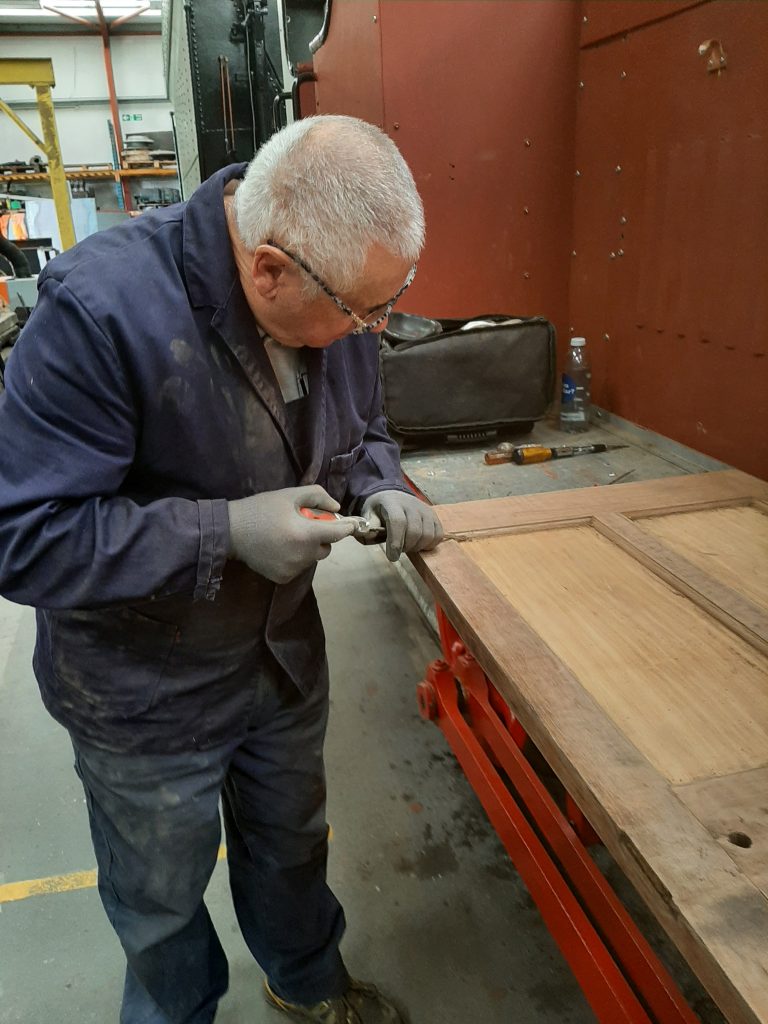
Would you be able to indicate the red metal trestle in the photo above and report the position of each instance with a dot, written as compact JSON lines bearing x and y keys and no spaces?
{"x":620,"y":975}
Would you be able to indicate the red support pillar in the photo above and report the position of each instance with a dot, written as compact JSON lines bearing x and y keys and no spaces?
{"x":127,"y":199}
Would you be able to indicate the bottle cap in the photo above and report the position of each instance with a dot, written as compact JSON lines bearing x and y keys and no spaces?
{"x":578,"y":342}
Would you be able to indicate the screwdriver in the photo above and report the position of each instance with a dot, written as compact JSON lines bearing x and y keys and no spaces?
{"x":527,"y":454}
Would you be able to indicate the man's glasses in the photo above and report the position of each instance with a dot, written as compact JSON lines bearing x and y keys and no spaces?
{"x":362,"y":324}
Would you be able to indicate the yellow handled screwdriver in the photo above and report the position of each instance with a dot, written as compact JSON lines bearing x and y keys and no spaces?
{"x":526,"y":455}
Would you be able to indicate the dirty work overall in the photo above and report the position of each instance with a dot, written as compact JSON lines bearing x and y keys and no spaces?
{"x":140,"y":399}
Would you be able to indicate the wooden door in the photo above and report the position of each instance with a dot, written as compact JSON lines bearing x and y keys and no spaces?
{"x":628,"y":629}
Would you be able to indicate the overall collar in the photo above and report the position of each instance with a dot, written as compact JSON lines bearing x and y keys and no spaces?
{"x":213,"y":280}
{"x":209,"y":263}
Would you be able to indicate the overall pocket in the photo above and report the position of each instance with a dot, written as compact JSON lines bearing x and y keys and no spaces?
{"x":112,"y":659}
{"x":339,"y":470}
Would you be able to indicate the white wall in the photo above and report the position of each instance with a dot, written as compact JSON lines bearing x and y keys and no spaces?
{"x":78,"y":66}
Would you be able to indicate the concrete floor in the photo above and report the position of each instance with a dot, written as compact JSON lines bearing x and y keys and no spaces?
{"x":436,"y":912}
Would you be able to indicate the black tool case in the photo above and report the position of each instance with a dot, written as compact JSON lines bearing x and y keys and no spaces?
{"x":471,"y":384}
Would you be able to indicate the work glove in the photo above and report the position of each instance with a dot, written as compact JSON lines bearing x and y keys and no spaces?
{"x":272,"y":538}
{"x":410,"y":523}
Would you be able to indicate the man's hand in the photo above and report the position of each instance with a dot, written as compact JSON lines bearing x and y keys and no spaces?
{"x":269,"y":535}
{"x":411,"y":524}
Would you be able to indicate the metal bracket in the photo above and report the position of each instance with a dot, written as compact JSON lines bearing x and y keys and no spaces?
{"x":717,"y":59}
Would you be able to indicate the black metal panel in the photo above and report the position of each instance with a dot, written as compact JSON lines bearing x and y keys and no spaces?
{"x":234,"y":60}
{"x":304,"y":19}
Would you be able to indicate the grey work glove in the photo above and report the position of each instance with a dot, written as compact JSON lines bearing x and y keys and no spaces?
{"x":410,"y":523}
{"x":268,"y":533}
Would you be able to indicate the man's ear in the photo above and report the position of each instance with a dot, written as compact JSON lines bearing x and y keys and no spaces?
{"x":269,"y":271}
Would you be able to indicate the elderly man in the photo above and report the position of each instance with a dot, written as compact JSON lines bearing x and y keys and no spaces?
{"x":185,"y":384}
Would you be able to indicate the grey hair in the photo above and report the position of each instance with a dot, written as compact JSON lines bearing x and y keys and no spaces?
{"x":328,"y":188}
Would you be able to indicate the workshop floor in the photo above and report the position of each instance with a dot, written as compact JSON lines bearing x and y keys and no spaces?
{"x":436,"y":913}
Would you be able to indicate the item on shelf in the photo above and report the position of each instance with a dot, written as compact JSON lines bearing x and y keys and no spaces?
{"x":152,"y":198}
{"x":33,"y":166}
{"x":136,"y":142}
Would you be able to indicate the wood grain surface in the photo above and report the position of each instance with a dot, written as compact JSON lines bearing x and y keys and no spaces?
{"x":688,"y":693}
{"x":651,"y":497}
{"x":730,"y":544}
{"x":734,"y":809}
{"x":637,"y":664}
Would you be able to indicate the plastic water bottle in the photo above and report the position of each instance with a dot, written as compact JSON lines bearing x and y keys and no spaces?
{"x":576,"y":397}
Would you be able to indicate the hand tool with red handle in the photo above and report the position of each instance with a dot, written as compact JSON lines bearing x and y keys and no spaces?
{"x":364,"y":530}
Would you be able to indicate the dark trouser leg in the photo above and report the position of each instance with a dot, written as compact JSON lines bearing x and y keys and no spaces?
{"x":155,"y":828}
{"x":277,"y":844}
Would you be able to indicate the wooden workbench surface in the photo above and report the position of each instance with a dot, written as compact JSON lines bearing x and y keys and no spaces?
{"x":628,"y":629}
{"x":448,"y":474}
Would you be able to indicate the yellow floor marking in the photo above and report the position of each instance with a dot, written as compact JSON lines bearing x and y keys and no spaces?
{"x":43,"y":886}
{"x":11,"y":892}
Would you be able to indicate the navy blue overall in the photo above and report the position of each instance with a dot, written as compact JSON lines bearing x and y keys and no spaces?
{"x":139,"y":400}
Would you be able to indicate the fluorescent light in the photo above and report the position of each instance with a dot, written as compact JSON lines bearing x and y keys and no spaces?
{"x":80,"y":8}
{"x":89,"y":5}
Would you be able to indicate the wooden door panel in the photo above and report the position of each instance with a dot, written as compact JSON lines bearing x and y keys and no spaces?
{"x":627,"y":627}
{"x":729,"y":543}
{"x":688,"y":693}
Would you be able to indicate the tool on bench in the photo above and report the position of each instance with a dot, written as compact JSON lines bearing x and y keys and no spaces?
{"x":527,"y":454}
{"x":365,"y":529}
{"x":618,"y":479}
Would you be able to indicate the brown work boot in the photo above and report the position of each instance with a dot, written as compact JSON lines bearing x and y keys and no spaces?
{"x":360,"y":1004}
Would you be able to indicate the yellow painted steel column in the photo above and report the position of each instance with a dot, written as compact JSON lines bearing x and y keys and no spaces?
{"x":37,"y":72}
{"x":59,"y":185}
{"x":20,"y":124}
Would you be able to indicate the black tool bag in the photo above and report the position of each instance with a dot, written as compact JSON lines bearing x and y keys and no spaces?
{"x":466,"y":384}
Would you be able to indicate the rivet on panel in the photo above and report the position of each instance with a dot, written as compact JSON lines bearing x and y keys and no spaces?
{"x":623,"y":74}
{"x":606,"y":337}
{"x":585,"y":19}
{"x":526,"y":275}
{"x":526,"y":210}
{"x":613,"y":255}
{"x":622,"y":220}
{"x":618,"y":168}
{"x":375,"y":19}
{"x":578,"y":174}
{"x":396,"y":124}
{"x":620,"y":252}
{"x":581,"y":85}
{"x":527,"y":142}
{"x":573,"y":252}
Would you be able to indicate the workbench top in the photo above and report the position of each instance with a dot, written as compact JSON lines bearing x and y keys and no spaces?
{"x":446,"y":474}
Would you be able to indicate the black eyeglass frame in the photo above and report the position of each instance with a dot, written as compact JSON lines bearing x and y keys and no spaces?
{"x":361,"y":325}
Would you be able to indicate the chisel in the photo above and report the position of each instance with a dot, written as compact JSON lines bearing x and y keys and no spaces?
{"x":526,"y":455}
